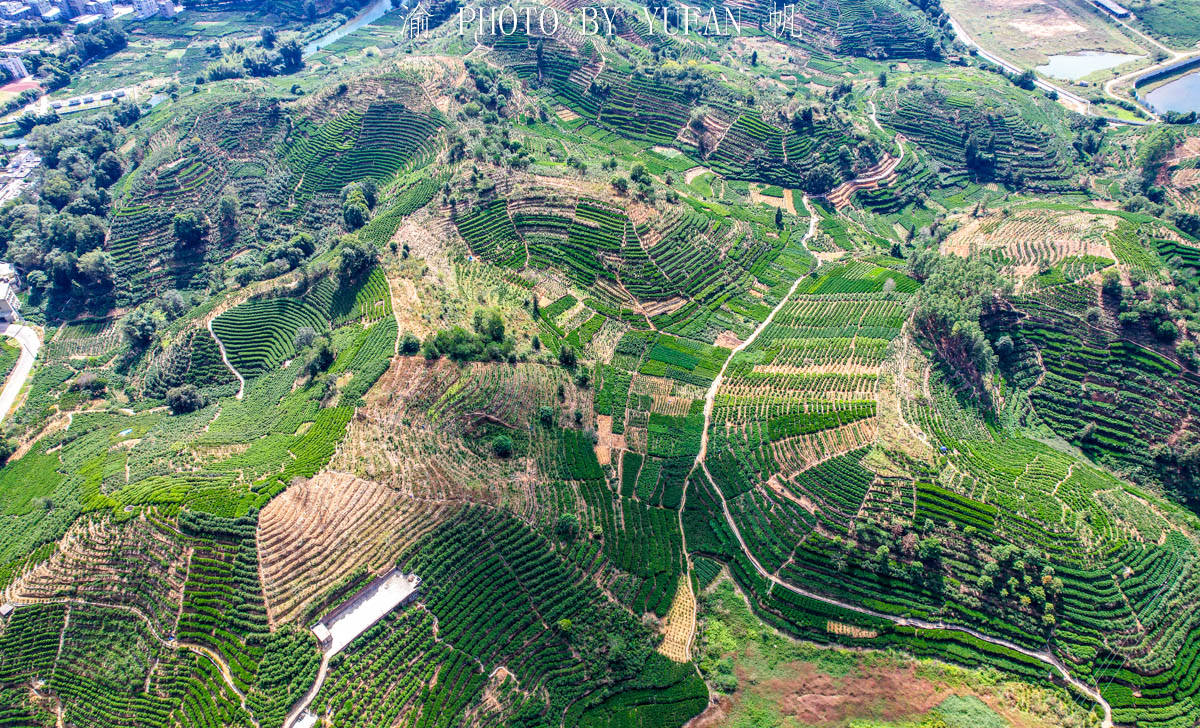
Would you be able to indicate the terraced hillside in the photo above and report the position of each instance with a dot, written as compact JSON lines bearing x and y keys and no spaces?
{"x":1001,"y":135}
{"x":638,"y":380}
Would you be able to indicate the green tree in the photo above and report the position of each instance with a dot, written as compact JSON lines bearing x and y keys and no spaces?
{"x":949,"y":305}
{"x":184,"y":398}
{"x":567,"y":526}
{"x":139,"y":328}
{"x":503,"y":446}
{"x":191,"y":227}
{"x":566,"y":356}
{"x":355,"y":258}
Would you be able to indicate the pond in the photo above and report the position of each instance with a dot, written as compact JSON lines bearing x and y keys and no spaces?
{"x":1074,"y":66}
{"x":1181,"y":94}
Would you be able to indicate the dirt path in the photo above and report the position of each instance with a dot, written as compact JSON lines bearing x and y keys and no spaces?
{"x":225,"y":358}
{"x":1044,"y":656}
{"x":302,"y":704}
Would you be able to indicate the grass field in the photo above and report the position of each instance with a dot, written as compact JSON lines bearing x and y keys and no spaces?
{"x":1029,"y":33}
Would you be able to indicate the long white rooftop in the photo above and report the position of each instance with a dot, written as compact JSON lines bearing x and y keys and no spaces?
{"x":365,"y":609}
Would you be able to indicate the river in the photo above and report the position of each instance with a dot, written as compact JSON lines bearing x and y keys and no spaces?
{"x":373,"y":12}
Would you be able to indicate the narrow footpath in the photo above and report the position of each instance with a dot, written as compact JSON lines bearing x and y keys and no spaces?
{"x":228,"y":364}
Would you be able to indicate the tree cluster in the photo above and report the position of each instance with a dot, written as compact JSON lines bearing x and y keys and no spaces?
{"x":58,"y":237}
{"x":955,"y":293}
{"x":487,"y":342}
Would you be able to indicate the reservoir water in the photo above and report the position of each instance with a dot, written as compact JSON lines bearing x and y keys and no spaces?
{"x":1074,"y":66}
{"x":1181,"y":94}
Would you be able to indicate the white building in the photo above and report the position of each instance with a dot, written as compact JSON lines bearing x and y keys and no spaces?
{"x":368,"y":606}
{"x":10,"y":307}
{"x":167,"y":8}
{"x":15,"y":66}
{"x":8,"y":274}
{"x":15,"y":11}
{"x":143,"y":9}
{"x":101,"y":7}
{"x":14,"y":178}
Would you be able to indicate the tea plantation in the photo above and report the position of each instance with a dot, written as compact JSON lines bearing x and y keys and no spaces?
{"x":815,"y":372}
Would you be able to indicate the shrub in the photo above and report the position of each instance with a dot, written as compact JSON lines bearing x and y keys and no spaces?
{"x":503,"y":446}
{"x":185,"y":398}
{"x":304,"y":338}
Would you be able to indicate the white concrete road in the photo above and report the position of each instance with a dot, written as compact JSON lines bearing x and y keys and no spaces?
{"x":30,"y":340}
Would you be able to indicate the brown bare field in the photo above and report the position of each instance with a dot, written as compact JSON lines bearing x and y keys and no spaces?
{"x":420,"y":420}
{"x":1033,"y":238}
{"x":899,"y":693}
{"x":1027,"y":32}
{"x":667,"y":396}
{"x":319,"y":530}
{"x":680,"y":624}
{"x":801,"y":452}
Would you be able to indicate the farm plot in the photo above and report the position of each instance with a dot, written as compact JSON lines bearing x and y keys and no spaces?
{"x":543,"y":621}
{"x":141,"y":241}
{"x":121,"y":666}
{"x":140,"y":563}
{"x":1010,"y":127}
{"x":95,"y":337}
{"x":1029,"y":240}
{"x":681,"y":623}
{"x":379,"y":142}
{"x":318,"y":531}
{"x":681,"y":268}
{"x":1098,"y":546}
{"x":796,"y":402}
{"x":428,"y":430}
{"x":258,"y":334}
{"x":1114,"y":399}
{"x":1105,"y":542}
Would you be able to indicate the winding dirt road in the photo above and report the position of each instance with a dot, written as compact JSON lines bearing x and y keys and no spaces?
{"x":228,"y":364}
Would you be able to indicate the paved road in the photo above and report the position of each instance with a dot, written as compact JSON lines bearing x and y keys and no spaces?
{"x":1014,"y":68}
{"x":1044,"y":656}
{"x":30,"y":340}
{"x":1081,"y":104}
